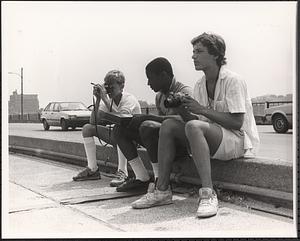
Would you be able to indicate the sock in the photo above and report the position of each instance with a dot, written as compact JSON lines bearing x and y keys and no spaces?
{"x":139,"y":169}
{"x":122,"y":161}
{"x":155,"y":170}
{"x":90,"y":150}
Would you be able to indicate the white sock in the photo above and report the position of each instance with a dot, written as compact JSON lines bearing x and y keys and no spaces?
{"x":139,"y":169}
{"x":155,"y":169}
{"x":90,"y":150}
{"x":122,"y":161}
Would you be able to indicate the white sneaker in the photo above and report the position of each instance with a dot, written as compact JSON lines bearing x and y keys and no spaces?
{"x":208,"y":203}
{"x":119,"y":179}
{"x":154,"y":197}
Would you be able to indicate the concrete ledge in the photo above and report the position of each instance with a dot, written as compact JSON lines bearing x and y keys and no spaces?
{"x":250,"y":174}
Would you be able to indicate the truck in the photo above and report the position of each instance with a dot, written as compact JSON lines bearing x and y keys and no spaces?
{"x":280,"y":116}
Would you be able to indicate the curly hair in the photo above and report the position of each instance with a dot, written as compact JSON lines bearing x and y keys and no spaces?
{"x":115,"y":75}
{"x":215,"y":45}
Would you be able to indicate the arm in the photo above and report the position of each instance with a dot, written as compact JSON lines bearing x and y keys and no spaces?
{"x":160,"y":118}
{"x":99,"y":95}
{"x":105,"y":100}
{"x":108,"y":103}
{"x":99,"y":120}
{"x":138,"y":119}
{"x":185,"y":114}
{"x":225,"y":119}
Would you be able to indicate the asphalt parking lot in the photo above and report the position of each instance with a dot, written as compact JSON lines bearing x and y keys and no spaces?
{"x":273,"y":145}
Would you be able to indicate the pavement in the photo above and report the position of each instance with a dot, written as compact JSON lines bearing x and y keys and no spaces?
{"x":256,"y":194}
{"x":36,"y":188}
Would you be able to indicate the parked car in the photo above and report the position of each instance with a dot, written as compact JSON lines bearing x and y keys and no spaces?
{"x":281,"y":117}
{"x":65,"y":114}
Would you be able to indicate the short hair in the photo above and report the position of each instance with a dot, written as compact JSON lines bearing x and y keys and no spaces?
{"x":115,"y":75}
{"x":158,"y":65}
{"x":215,"y":45}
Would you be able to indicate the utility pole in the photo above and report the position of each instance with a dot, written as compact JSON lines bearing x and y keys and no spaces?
{"x":21,"y":93}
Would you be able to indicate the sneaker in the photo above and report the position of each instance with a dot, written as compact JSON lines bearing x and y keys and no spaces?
{"x":119,"y":179}
{"x":132,"y":184}
{"x":87,"y":174}
{"x":154,"y":197}
{"x":208,"y":203}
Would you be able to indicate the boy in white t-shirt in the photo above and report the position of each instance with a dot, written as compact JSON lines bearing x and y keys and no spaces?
{"x":114,"y":99}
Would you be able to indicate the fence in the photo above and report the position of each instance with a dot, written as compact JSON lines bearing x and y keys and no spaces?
{"x":32,"y":117}
{"x":258,"y":110}
{"x":149,"y":110}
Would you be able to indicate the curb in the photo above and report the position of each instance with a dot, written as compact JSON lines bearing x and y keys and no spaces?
{"x":260,"y":177}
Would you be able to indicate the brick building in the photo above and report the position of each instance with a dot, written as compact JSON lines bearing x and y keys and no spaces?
{"x":30,"y":104}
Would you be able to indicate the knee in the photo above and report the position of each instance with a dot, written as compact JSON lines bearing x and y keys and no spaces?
{"x":195,"y":127}
{"x":168,"y":128}
{"x":148,"y":130}
{"x":88,"y":130}
{"x":119,"y":133}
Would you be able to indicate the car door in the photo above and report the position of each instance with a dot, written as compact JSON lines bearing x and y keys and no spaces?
{"x":56,"y":114}
{"x":45,"y":113}
{"x":50,"y":114}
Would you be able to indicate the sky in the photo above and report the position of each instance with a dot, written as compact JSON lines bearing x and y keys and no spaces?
{"x":63,"y":46}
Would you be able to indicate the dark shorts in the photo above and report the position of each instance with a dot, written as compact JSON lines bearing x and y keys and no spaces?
{"x":134,"y":135}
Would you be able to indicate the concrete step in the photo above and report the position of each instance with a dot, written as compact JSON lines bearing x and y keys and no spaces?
{"x":261,"y":177}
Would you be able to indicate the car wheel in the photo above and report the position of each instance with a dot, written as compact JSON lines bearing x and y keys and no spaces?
{"x":46,"y":125}
{"x":73,"y":127}
{"x":280,"y":124}
{"x":63,"y":125}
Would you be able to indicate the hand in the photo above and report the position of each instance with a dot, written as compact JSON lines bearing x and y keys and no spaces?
{"x":96,"y":91}
{"x":99,"y":91}
{"x":185,"y":114}
{"x":191,"y":105}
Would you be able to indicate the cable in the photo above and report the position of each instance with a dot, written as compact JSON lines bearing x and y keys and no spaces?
{"x":109,"y":127}
{"x":95,"y":116}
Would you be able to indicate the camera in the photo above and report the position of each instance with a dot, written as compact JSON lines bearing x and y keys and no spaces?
{"x":107,"y":87}
{"x":173,"y":100}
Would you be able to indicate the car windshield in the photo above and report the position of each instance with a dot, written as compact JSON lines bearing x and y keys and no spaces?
{"x":73,"y":106}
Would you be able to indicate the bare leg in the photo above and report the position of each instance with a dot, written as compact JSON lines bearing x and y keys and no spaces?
{"x":171,"y":132}
{"x":204,"y":140}
{"x":149,"y":132}
{"x":104,"y":133}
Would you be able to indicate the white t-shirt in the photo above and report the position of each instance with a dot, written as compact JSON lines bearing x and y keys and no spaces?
{"x":231,"y":96}
{"x":128,"y":105}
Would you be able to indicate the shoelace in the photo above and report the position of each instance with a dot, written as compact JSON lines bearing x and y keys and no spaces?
{"x":205,"y":201}
{"x":120,"y":174}
{"x":149,"y":196}
{"x":85,"y":172}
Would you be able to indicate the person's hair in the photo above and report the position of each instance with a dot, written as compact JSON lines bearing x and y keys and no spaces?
{"x":215,"y":45}
{"x":115,"y":75}
{"x":158,"y":65}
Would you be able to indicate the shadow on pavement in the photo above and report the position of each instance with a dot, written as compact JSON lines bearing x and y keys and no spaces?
{"x":178,"y":210}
